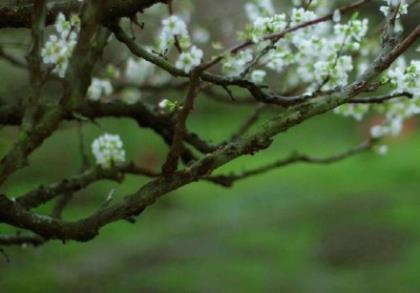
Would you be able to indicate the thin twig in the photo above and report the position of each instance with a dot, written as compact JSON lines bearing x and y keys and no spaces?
{"x":180,"y":128}
{"x":294,"y":158}
{"x":44,"y":194}
{"x":248,"y":123}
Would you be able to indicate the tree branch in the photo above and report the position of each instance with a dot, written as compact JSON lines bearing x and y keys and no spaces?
{"x":252,"y":119}
{"x":30,"y":102}
{"x":380,"y":99}
{"x":12,"y":59}
{"x":143,"y":114}
{"x":14,"y":213}
{"x":20,"y":15}
{"x":44,"y":194}
{"x":18,"y":239}
{"x":229,"y":180}
{"x":180,"y":128}
{"x":88,"y":49}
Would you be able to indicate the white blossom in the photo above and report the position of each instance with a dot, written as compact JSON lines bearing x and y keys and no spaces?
{"x":263,"y":26}
{"x":99,"y":88}
{"x":108,"y":150}
{"x":138,"y":71}
{"x":403,"y":7}
{"x":356,"y":111}
{"x":300,"y":15}
{"x":403,"y":79}
{"x":390,"y":127}
{"x":172,"y":27}
{"x":234,"y":65}
{"x":167,"y":105}
{"x":187,"y":61}
{"x":164,"y":103}
{"x":59,"y":48}
{"x":378,"y":131}
{"x":316,"y":53}
{"x":381,"y":149}
{"x":259,"y":8}
{"x":175,"y":26}
{"x":257,"y":76}
{"x":337,"y":15}
{"x":200,"y":35}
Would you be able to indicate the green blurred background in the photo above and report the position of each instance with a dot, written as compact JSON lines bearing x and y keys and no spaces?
{"x":349,"y":227}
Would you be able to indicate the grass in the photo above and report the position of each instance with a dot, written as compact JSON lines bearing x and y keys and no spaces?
{"x":349,"y":227}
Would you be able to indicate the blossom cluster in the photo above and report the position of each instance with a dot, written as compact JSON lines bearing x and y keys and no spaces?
{"x":259,"y":8}
{"x":356,"y":111}
{"x":190,"y":59}
{"x":402,"y":9}
{"x":108,"y":150}
{"x":173,"y":28}
{"x":318,"y":55}
{"x":233,"y":66}
{"x":59,"y":47}
{"x":405,"y":80}
{"x":322,"y":57}
{"x":174,"y":32}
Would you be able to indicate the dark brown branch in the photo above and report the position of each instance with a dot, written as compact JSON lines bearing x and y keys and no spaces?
{"x":20,"y":15}
{"x":30,"y":102}
{"x":61,"y":203}
{"x":92,"y":40}
{"x":399,"y":49}
{"x":380,"y":99}
{"x":78,"y":182}
{"x":141,"y":52}
{"x":180,"y":128}
{"x":144,"y":115}
{"x":255,"y":90}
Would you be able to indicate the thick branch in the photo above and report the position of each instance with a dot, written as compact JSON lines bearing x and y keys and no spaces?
{"x":20,"y":15}
{"x":144,"y":115}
